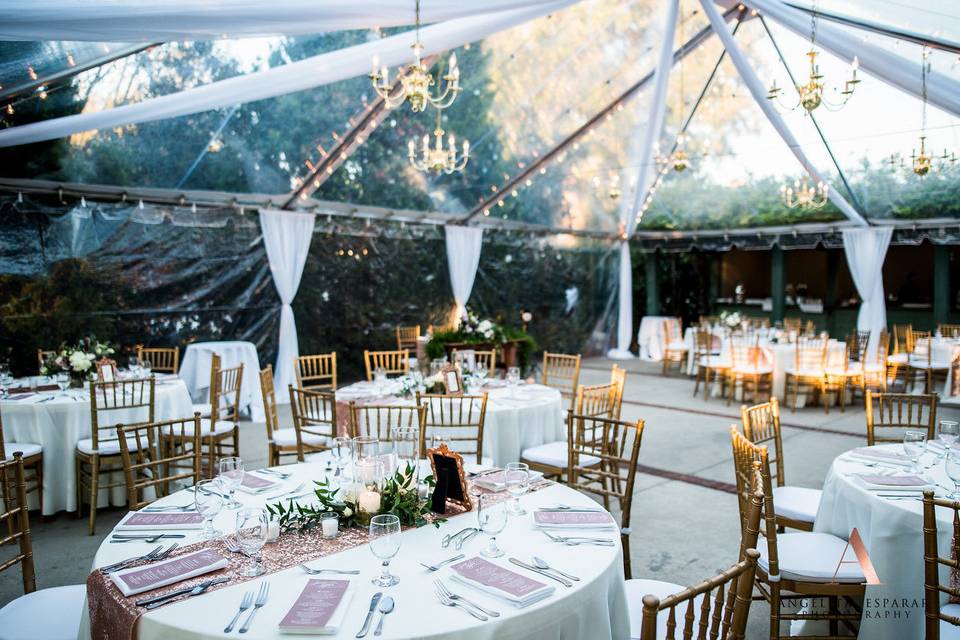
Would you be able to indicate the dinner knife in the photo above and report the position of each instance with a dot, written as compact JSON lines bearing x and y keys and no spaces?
{"x":530,"y":567}
{"x":206,"y":584}
{"x":374,"y":601}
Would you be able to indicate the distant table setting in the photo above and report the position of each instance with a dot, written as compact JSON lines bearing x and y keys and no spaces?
{"x":484,"y":573}
{"x":195,"y":372}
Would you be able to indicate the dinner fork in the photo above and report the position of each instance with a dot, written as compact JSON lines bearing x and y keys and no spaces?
{"x":436,"y":567}
{"x":316,"y":572}
{"x":261,"y":600}
{"x":575,"y":540}
{"x":116,"y":566}
{"x":279,"y":474}
{"x":444,"y":600}
{"x":443,"y":589}
{"x":245,"y":604}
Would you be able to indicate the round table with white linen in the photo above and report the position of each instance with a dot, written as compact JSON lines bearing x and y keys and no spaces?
{"x":650,"y":337}
{"x":594,"y":608}
{"x":518,"y":417}
{"x":892,"y":532}
{"x":195,"y":371}
{"x":57,"y":421}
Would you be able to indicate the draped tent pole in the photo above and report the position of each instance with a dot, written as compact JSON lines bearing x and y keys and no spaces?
{"x":651,"y":134}
{"x":463,"y":258}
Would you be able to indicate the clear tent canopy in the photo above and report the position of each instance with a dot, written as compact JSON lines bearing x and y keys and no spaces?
{"x":528,"y":91}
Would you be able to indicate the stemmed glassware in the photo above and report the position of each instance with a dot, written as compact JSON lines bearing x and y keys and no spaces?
{"x":146,"y":367}
{"x":63,"y":382}
{"x":133,"y":366}
{"x":253,"y":524}
{"x":385,"y":543}
{"x":492,"y":519}
{"x":949,"y":431}
{"x":480,"y":372}
{"x":209,"y":502}
{"x":914,"y":443}
{"x":342,"y":452}
{"x":952,"y":467}
{"x":517,"y":477}
{"x":513,"y":376}
{"x":231,"y":477}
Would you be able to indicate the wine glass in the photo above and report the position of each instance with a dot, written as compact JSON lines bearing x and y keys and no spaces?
{"x":952,"y":467}
{"x":517,"y":477}
{"x":253,"y":525}
{"x":480,"y":372}
{"x":949,"y":431}
{"x":385,"y":543}
{"x":209,"y":502}
{"x":513,"y":376}
{"x":63,"y":382}
{"x":342,"y":452}
{"x":914,"y":443}
{"x":133,"y":365}
{"x":492,"y":518}
{"x":145,"y":367}
{"x":231,"y":477}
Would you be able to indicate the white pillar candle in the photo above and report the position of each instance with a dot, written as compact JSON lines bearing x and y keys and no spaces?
{"x":273,"y":531}
{"x":369,"y":501}
{"x":330,"y":527}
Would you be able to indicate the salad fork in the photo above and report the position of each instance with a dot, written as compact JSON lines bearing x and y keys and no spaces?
{"x":444,"y":600}
{"x":245,"y":604}
{"x":317,"y":572}
{"x":452,"y":596}
{"x":261,"y":600}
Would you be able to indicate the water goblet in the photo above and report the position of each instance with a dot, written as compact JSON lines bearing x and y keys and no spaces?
{"x":342,"y":452}
{"x":209,"y":501}
{"x":63,"y":382}
{"x":385,"y":543}
{"x":517,"y":477}
{"x":513,"y":376}
{"x":492,"y":519}
{"x":914,"y":443}
{"x":952,"y":467}
{"x":949,"y":431}
{"x":133,"y":365}
{"x":231,"y":477}
{"x":253,"y":528}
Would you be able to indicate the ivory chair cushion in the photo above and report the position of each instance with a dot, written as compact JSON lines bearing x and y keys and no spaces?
{"x":50,"y":614}
{"x":203,"y":409}
{"x":898,"y":358}
{"x":27,"y":448}
{"x":804,"y":373}
{"x":714,"y":363}
{"x":106,"y":447}
{"x":636,"y":589}
{"x":812,"y":557}
{"x":797,"y":503}
{"x":921,"y":363}
{"x":554,"y":454}
{"x":288,"y":437}
{"x":221,"y":427}
{"x":753,"y":370}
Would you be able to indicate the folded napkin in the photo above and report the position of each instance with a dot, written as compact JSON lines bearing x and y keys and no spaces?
{"x":497,"y":480}
{"x":160,"y":574}
{"x":319,"y":609}
{"x":909,"y":483}
{"x":140,"y":521}
{"x":507,"y":585}
{"x":872,"y":454}
{"x":573,"y":520}
{"x":255,"y":484}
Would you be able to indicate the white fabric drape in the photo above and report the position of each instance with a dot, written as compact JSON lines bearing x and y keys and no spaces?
{"x":167,"y":20}
{"x":865,"y":250}
{"x":297,"y":76}
{"x":893,"y":68}
{"x":286,"y":236}
{"x":463,"y":258}
{"x":760,"y":97}
{"x":658,"y":105}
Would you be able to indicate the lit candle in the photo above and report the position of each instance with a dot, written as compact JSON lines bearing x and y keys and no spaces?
{"x":273,"y":531}
{"x":369,"y":501}
{"x":330,"y":527}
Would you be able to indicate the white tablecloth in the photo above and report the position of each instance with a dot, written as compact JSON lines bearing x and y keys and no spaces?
{"x":650,"y":337}
{"x":892,"y":532}
{"x":946,"y":351}
{"x":58,"y":424}
{"x":594,"y":608}
{"x":517,"y":417}
{"x":195,"y":371}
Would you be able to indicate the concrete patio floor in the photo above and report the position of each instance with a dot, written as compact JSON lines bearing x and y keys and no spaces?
{"x":684,"y":517}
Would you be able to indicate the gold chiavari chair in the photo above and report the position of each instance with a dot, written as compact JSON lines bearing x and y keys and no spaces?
{"x":807,"y":372}
{"x":280,"y":442}
{"x":42,"y":356}
{"x":942,"y":619}
{"x":51,"y":614}
{"x":562,"y":372}
{"x":204,"y":407}
{"x":874,"y":366}
{"x":485,"y":359}
{"x":897,"y":369}
{"x":758,"y":322}
{"x":380,"y":420}
{"x":220,"y":432}
{"x":602,"y":460}
{"x":99,"y":455}
{"x":796,"y":506}
{"x":161,"y":359}
{"x":618,"y":376}
{"x":792,"y":325}
{"x":407,"y":337}
{"x":32,"y":456}
{"x":922,"y":363}
{"x":899,"y":412}
{"x":951,"y":331}
{"x":749,"y":370}
{"x":456,"y":420}
{"x":802,"y":565}
{"x":674,"y":348}
{"x":842,"y":374}
{"x":317,"y":372}
{"x":710,"y":367}
{"x":314,"y":420}
{"x":160,"y":456}
{"x":393,"y":362}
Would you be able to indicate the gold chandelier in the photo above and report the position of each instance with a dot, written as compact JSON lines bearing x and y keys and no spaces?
{"x":416,"y":82}
{"x":922,"y":163}
{"x":802,"y":196}
{"x":811,"y":94}
{"x":437,"y":158}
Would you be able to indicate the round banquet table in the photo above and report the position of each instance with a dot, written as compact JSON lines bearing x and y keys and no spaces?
{"x":892,"y":532}
{"x":57,"y":422}
{"x":517,"y":417}
{"x":195,"y":371}
{"x":595,"y":607}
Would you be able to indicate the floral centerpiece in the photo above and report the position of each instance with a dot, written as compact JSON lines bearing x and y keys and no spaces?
{"x":474,"y":330}
{"x":731,"y":320}
{"x":76,"y":360}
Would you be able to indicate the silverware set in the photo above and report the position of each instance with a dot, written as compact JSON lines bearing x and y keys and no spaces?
{"x":436,"y":567}
{"x":445,"y":600}
{"x":453,"y":597}
{"x":167,"y":598}
{"x":374,"y":601}
{"x":317,"y":572}
{"x":143,"y":537}
{"x":261,"y":600}
{"x":572,"y":541}
{"x":542,"y":572}
{"x":156,"y":555}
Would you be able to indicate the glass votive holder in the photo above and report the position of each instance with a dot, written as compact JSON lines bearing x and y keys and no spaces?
{"x":330,"y":525}
{"x":273,"y":531}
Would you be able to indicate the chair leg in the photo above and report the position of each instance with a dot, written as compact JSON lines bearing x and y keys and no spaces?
{"x":39,"y":475}
{"x":625,"y":543}
{"x":774,"y":611}
{"x":94,"y":490}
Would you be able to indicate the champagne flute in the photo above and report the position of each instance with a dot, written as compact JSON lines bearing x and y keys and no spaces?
{"x":492,"y":518}
{"x":517,"y":477}
{"x":231,"y":477}
{"x":209,"y":502}
{"x":253,"y":525}
{"x":914,"y":443}
{"x":385,"y":543}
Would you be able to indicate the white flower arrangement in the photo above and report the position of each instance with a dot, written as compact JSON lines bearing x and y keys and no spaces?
{"x":731,"y":320}
{"x":78,"y":361}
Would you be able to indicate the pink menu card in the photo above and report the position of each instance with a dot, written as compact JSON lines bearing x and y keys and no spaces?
{"x":497,"y":480}
{"x":256,"y":484}
{"x":138,"y":520}
{"x":160,"y":574}
{"x":498,"y":581}
{"x":591,"y":519}
{"x":319,"y":609}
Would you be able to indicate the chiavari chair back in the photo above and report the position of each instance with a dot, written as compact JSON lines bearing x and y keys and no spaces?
{"x":951,"y":331}
{"x":279,"y":442}
{"x":857,"y":344}
{"x":792,"y":325}
{"x":456,"y":420}
{"x":161,"y":359}
{"x":470,"y":359}
{"x":225,"y":396}
{"x":32,"y":455}
{"x":15,"y":521}
{"x":618,"y":376}
{"x":599,"y":400}
{"x":674,"y":348}
{"x":317,"y":372}
{"x":761,"y":425}
{"x":380,"y":421}
{"x":602,"y":459}
{"x":758,"y":322}
{"x":392,"y":362}
{"x":407,"y":337}
{"x":934,"y":562}
{"x":159,"y":456}
{"x":922,"y":346}
{"x":562,"y":372}
{"x":42,"y":356}
{"x":894,"y":413}
{"x":810,"y":355}
{"x":903,"y":338}
{"x":314,"y":420}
